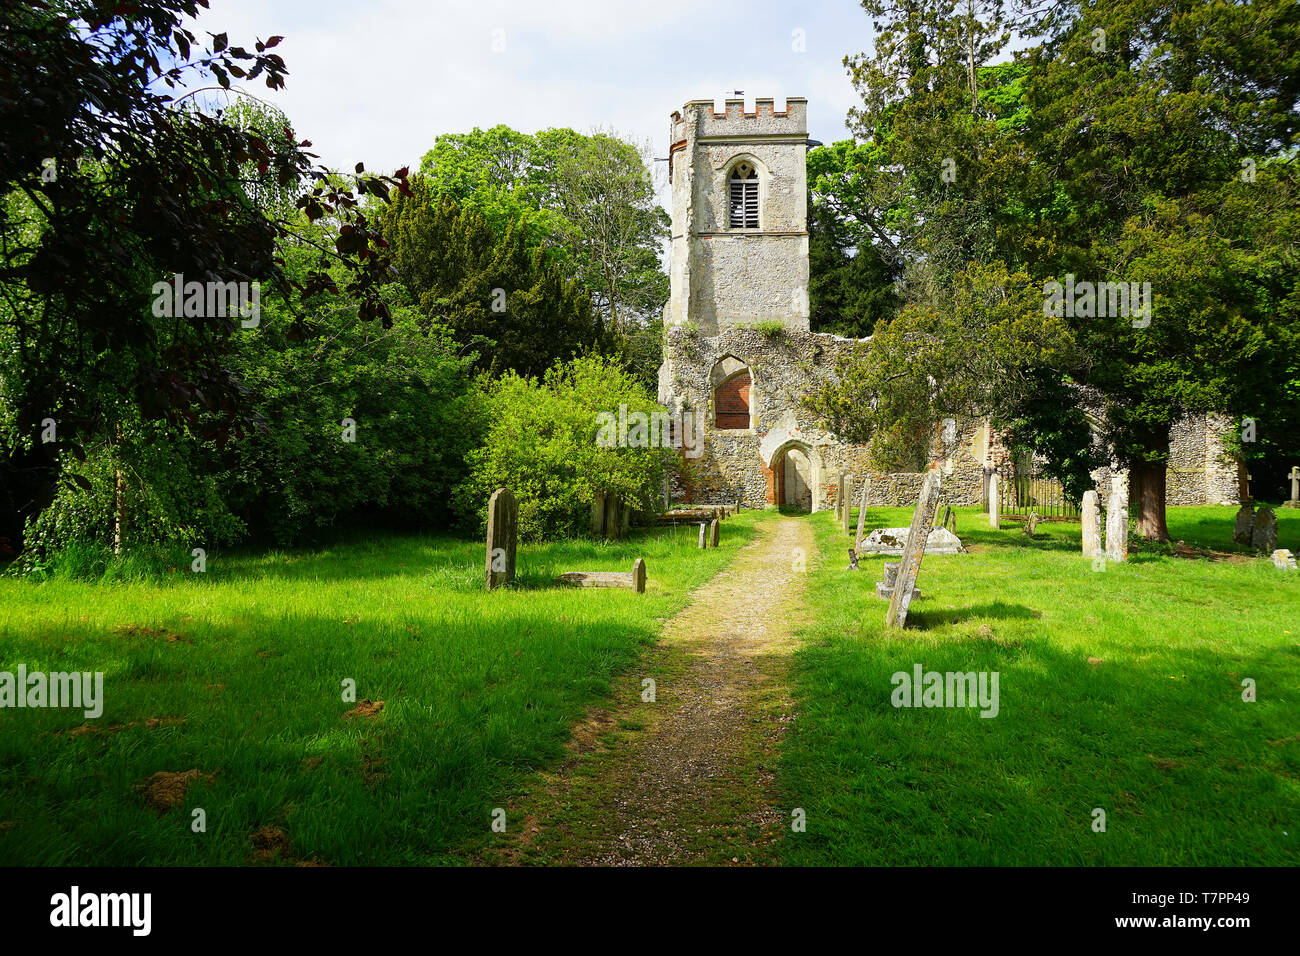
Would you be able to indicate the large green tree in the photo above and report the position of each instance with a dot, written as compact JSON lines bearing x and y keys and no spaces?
{"x":112,"y":179}
{"x":1135,"y":142}
{"x":588,"y":200}
{"x":501,"y":296}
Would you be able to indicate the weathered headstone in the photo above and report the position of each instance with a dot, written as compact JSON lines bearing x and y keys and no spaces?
{"x":610,"y":517}
{"x":714,"y":529}
{"x":1117,"y":518}
{"x":1295,"y":488}
{"x":704,"y":535}
{"x":839,"y":497}
{"x":848,"y":493}
{"x":910,"y":565}
{"x":1263,"y":537}
{"x":894,"y":541}
{"x":862,"y":508}
{"x":1091,"y":529}
{"x":853,"y":560}
{"x":995,"y":504}
{"x":1031,"y":524}
{"x":633,"y":580}
{"x":1244,"y":525}
{"x":502,"y":535}
{"x":1283,"y":560}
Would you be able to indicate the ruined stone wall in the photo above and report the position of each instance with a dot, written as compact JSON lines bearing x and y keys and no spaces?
{"x":783,"y":367}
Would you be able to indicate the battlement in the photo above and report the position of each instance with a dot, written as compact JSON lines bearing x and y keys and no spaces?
{"x":733,"y":121}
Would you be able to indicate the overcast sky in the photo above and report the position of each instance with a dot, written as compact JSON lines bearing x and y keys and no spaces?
{"x":379,"y":80}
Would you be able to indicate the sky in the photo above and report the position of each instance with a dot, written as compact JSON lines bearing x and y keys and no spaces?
{"x":378,"y":81}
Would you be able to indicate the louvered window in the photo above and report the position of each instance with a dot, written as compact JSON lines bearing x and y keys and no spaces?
{"x":744,"y":197}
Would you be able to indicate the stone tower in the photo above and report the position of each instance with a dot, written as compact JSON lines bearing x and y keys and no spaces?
{"x":739,"y":357}
{"x":740,"y":233}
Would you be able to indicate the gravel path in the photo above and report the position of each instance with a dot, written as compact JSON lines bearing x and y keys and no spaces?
{"x":688,"y":778}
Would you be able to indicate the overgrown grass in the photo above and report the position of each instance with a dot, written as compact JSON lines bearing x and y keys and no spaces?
{"x":1154,"y":731}
{"x":238,"y":673}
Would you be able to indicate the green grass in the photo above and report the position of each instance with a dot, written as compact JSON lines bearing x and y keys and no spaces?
{"x":480,"y":689}
{"x":1157,"y":734}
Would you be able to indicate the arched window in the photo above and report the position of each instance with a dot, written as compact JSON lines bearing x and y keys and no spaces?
{"x":731,"y":402}
{"x":744,"y":196}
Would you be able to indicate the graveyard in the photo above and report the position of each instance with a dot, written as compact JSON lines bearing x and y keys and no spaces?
{"x":1120,"y":689}
{"x":506,"y":440}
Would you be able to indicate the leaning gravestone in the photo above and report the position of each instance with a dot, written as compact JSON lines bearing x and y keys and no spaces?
{"x":1244,"y":525}
{"x":1117,"y":519}
{"x":910,"y":565}
{"x":862,"y":508}
{"x":1091,"y":529}
{"x":502,"y":532}
{"x":1263,"y":537}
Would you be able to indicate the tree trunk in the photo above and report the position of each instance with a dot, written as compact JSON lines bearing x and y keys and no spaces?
{"x":1147,"y":490}
{"x":119,"y":495}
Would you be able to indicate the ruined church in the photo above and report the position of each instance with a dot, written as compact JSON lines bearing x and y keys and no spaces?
{"x":739,"y":354}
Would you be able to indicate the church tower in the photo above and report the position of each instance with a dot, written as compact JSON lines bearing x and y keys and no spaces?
{"x":740,"y":232}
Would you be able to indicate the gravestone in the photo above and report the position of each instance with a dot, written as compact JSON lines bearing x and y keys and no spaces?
{"x":610,"y":517}
{"x":704,"y":535}
{"x":1244,"y":525}
{"x":949,"y":522}
{"x":839,"y":497}
{"x":848,"y":493}
{"x":894,"y":540}
{"x":633,"y":580}
{"x":862,"y":508}
{"x":502,"y":535}
{"x":1284,"y":560}
{"x":995,"y":504}
{"x":1117,"y":518}
{"x":1031,"y":524}
{"x":713,"y":533}
{"x":1091,"y":530}
{"x":1263,"y":537}
{"x":885,"y":588}
{"x":1295,"y":488}
{"x":910,"y":565}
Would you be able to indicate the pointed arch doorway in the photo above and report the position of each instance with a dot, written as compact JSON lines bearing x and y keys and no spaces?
{"x":794,"y":478}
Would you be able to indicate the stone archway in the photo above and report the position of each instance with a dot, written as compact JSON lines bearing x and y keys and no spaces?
{"x":794,"y":478}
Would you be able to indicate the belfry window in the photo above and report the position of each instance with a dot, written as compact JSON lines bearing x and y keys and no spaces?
{"x":744,"y":196}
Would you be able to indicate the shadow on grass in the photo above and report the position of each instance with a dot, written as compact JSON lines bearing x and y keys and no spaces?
{"x":919,"y":617}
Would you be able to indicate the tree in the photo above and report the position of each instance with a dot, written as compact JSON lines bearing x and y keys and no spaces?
{"x":542,"y":442}
{"x":588,"y":200}
{"x":114,"y":180}
{"x":1113,"y":151}
{"x":499,"y":295}
{"x":849,"y":289}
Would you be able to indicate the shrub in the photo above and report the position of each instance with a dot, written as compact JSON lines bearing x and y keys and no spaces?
{"x":541,"y":443}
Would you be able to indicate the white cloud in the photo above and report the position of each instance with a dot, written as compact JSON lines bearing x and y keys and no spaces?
{"x":378,"y":82}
